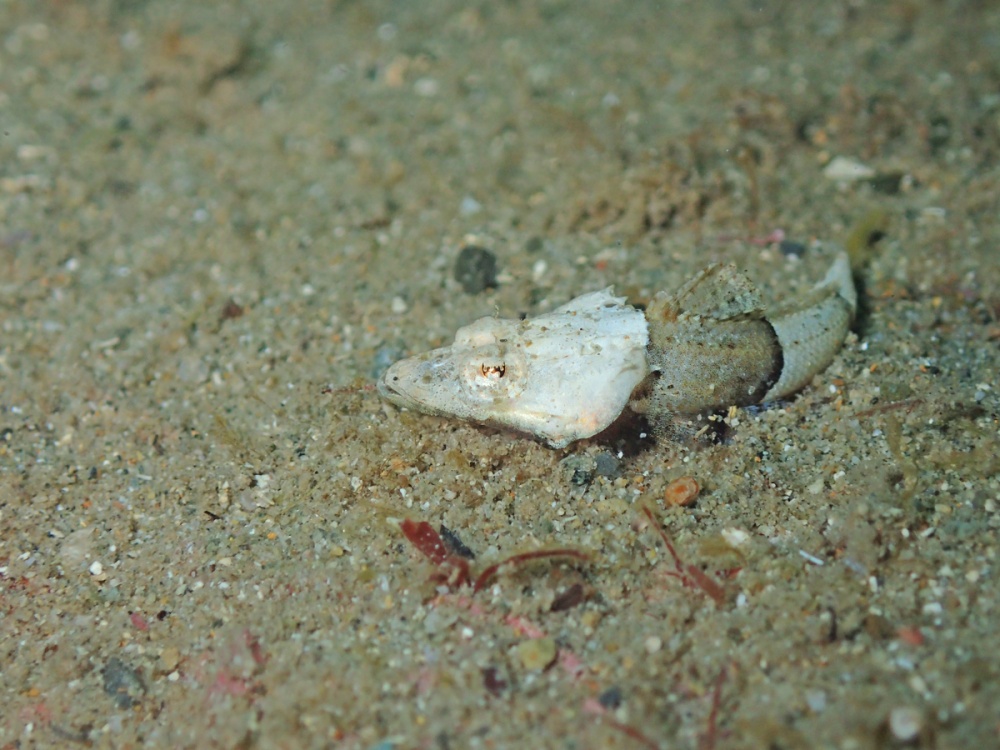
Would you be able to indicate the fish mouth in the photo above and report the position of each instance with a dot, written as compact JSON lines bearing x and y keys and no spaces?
{"x":409,"y":382}
{"x":389,"y":391}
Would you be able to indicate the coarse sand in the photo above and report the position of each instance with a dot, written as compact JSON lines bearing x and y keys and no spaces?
{"x":220,"y":221}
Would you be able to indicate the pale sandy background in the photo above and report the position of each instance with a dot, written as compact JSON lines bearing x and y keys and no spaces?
{"x":220,"y":220}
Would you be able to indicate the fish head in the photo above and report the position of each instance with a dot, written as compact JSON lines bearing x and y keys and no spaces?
{"x":561,"y":377}
{"x":478,"y":374}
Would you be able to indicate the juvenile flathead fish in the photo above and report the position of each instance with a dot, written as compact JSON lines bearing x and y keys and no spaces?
{"x":570,"y":373}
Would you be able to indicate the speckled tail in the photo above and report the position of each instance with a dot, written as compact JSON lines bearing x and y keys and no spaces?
{"x":811,"y":334}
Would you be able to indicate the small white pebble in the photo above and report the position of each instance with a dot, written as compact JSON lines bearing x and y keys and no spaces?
{"x":843,"y":169}
{"x":538,"y":270}
{"x":426,"y":87}
{"x":398,"y":305}
{"x":816,"y":700}
{"x":96,"y":568}
{"x":653,"y":644}
{"x":905,"y":723}
{"x":735,"y":537}
{"x":469,"y":206}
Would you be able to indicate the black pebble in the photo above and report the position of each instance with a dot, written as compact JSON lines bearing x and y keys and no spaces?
{"x":456,"y":545}
{"x":606,"y":465}
{"x":476,"y":269}
{"x":611,"y":698}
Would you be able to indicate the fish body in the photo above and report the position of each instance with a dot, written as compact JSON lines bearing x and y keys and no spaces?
{"x":568,"y":374}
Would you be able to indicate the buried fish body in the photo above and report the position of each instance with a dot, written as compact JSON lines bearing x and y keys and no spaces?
{"x":568,"y":374}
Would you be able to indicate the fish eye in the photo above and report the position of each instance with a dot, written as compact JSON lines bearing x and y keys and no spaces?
{"x":493,"y":371}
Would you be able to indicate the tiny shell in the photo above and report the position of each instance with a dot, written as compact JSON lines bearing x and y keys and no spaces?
{"x":681,"y":492}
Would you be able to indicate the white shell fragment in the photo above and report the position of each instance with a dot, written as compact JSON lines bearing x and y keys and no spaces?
{"x":562,"y":376}
{"x":568,"y":374}
{"x":842,"y":169}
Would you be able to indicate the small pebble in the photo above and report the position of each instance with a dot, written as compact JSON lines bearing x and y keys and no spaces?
{"x":476,"y":269}
{"x":96,"y":568}
{"x":735,"y":537}
{"x":905,"y":723}
{"x":582,"y":469}
{"x":469,"y":206}
{"x":426,"y":86}
{"x":454,"y":544}
{"x":607,"y":465}
{"x":123,"y":683}
{"x":76,"y":548}
{"x":843,"y":169}
{"x":611,"y":698}
{"x":816,"y":700}
{"x":538,"y":653}
{"x":170,"y":658}
{"x":889,"y":183}
{"x":653,"y":644}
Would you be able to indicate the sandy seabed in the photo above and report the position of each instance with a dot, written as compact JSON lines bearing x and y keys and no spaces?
{"x":220,"y":221}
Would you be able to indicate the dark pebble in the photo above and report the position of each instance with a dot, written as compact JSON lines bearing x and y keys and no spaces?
{"x":493,"y":682}
{"x":476,"y":269}
{"x":456,"y":545}
{"x":606,"y":465}
{"x":790,"y":247}
{"x":887,"y":183}
{"x":123,"y":683}
{"x":580,"y":468}
{"x":611,"y":698}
